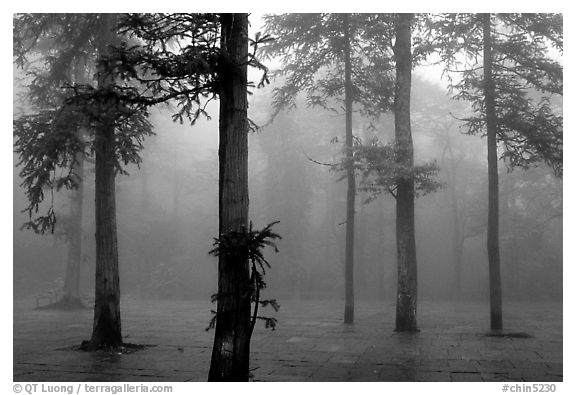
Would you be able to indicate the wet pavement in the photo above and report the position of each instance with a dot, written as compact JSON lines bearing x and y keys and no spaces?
{"x":310,"y":344}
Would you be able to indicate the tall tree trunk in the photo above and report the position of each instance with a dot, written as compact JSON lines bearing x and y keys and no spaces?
{"x":405,"y":239}
{"x":107,"y":329}
{"x":493,"y":215}
{"x":231,"y":351}
{"x":351,"y":193}
{"x":74,"y":259}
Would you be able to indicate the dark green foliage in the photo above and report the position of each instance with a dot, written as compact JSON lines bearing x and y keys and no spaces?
{"x":248,"y":245}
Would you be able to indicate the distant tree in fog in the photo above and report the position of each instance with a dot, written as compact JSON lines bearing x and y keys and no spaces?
{"x":531,"y":217}
{"x":516,"y":52}
{"x":73,"y":68}
{"x":436,"y":115}
{"x":333,"y":59}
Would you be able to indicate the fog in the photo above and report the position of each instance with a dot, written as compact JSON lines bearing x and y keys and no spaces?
{"x":167,"y":213}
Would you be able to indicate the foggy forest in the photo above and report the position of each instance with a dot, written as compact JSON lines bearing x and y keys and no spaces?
{"x":353,"y":193}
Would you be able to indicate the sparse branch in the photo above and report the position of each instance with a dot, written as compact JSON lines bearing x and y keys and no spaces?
{"x":331,"y":165}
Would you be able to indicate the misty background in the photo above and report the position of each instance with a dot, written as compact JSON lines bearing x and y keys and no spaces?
{"x":167,"y":211}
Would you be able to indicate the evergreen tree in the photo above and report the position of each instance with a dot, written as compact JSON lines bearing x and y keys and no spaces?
{"x":72,"y":68}
{"x":213,"y":65}
{"x":332,"y":58}
{"x":390,"y":167}
{"x":48,"y":141}
{"x":231,"y":352}
{"x":405,"y":235}
{"x":512,"y":92}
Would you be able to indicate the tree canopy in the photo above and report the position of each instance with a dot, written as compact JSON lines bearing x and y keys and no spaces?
{"x":527,"y":77}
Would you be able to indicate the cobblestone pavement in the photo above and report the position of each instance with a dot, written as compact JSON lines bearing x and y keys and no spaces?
{"x":310,"y":344}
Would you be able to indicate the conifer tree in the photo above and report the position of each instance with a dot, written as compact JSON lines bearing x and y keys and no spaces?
{"x":334,"y":60}
{"x":512,"y":91}
{"x":214,"y":65}
{"x":405,"y":232}
{"x":48,"y":140}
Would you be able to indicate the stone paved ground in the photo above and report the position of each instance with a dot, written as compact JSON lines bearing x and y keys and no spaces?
{"x":310,"y":344}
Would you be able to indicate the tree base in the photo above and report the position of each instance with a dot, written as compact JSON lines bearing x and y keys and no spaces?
{"x":416,"y":330}
{"x":124,"y":348}
{"x":510,"y":335}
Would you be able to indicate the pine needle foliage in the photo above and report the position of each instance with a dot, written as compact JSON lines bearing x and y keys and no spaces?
{"x":380,"y":171}
{"x":527,"y":77}
{"x":248,"y":245}
{"x":54,"y":50}
{"x":172,"y":59}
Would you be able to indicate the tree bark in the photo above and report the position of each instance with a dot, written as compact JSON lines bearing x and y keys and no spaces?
{"x":405,"y":239}
{"x":107,"y":328}
{"x":231,"y":351}
{"x":350,"y":175}
{"x":493,"y":214}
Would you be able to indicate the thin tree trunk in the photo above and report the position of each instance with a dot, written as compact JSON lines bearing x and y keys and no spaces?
{"x":457,"y":237}
{"x":74,"y":259}
{"x":381,"y":273}
{"x":107,"y":328}
{"x":145,"y":258}
{"x":351,"y":193}
{"x":231,"y":351}
{"x":493,"y":215}
{"x":405,"y":239}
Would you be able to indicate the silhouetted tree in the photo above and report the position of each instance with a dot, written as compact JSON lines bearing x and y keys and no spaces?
{"x":214,"y":65}
{"x":231,"y":352}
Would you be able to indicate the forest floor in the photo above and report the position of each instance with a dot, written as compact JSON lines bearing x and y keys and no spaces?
{"x":310,"y":344}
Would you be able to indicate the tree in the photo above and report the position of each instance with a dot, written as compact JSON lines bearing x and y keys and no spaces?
{"x":435,"y":114}
{"x":48,"y":141}
{"x":71,"y":227}
{"x":107,"y":325}
{"x":391,"y":168}
{"x":132,"y":77}
{"x":214,"y":65}
{"x":325,"y":55}
{"x":515,"y":49}
{"x":405,"y":238}
{"x":531,"y":223}
{"x":71,"y":295}
{"x":231,"y":351}
{"x":493,"y":217}
{"x":350,"y":176}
